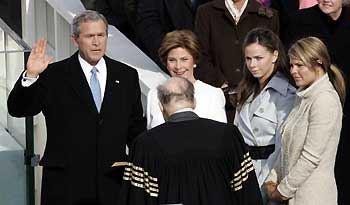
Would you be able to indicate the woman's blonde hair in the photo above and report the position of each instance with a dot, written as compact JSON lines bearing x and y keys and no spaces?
{"x":313,"y":52}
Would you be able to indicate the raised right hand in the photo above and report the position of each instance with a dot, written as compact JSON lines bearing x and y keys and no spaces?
{"x":38,"y":60}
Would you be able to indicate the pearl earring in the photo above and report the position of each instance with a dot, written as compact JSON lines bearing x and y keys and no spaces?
{"x":195,"y":65}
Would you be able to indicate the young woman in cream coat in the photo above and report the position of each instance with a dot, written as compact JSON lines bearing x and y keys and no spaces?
{"x":304,"y":172}
{"x":265,"y":98}
{"x":180,"y":53}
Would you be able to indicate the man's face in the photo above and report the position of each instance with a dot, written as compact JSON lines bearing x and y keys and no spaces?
{"x":91,"y":41}
{"x":330,"y":7}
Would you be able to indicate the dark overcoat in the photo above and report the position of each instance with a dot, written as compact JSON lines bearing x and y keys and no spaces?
{"x":81,"y":143}
{"x":155,"y":18}
{"x":221,"y":39}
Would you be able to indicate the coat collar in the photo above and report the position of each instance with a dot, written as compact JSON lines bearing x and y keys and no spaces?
{"x":314,"y":88}
{"x":252,"y":6}
{"x":279,"y":83}
{"x":183,"y":116}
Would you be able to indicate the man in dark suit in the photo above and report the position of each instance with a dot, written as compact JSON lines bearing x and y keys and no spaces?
{"x":188,"y":160}
{"x":92,"y":109}
{"x":121,"y":14}
{"x":155,"y":18}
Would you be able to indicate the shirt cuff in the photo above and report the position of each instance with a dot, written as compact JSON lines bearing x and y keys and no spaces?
{"x":285,"y":189}
{"x":28,"y":81}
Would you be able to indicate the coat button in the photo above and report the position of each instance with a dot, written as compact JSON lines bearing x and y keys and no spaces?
{"x":238,"y":70}
{"x":256,"y":129}
{"x":261,"y":110}
{"x":236,"y":42}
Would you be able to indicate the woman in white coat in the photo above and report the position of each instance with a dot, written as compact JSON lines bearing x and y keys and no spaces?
{"x":180,"y":53}
{"x":264,"y":98}
{"x":304,"y":172}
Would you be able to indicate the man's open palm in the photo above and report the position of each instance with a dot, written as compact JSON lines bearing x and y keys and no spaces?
{"x":38,"y":60}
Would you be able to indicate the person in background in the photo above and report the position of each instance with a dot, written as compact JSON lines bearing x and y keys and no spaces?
{"x":221,"y":26}
{"x":188,"y":159}
{"x":92,"y":108}
{"x":121,"y":14}
{"x":155,"y":18}
{"x":304,"y":171}
{"x":180,"y":52}
{"x":265,"y":97}
{"x":329,"y":20}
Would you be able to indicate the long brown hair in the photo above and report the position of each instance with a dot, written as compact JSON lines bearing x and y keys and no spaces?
{"x":313,"y":52}
{"x":266,"y":38}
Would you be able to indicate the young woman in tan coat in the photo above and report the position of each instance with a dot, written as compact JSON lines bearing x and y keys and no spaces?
{"x":304,"y":172}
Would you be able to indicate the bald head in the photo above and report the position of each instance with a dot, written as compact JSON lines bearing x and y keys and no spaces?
{"x":175,"y":94}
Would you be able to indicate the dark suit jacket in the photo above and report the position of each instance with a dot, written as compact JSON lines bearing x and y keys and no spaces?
{"x":190,"y":160}
{"x":155,"y":18}
{"x":81,"y":143}
{"x":119,"y":13}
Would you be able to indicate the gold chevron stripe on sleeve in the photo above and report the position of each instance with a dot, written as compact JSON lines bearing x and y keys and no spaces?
{"x":140,"y":178}
{"x":242,"y":174}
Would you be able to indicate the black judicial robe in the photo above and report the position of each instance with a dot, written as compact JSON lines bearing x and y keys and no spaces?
{"x":192,"y":161}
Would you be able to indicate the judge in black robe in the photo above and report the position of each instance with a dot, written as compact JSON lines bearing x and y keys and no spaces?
{"x":188,"y":160}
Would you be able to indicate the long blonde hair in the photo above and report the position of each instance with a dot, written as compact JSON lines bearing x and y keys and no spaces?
{"x":313,"y":52}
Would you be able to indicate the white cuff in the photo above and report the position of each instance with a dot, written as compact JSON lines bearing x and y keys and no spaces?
{"x":28,"y":81}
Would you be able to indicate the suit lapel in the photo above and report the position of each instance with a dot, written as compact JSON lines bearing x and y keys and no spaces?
{"x":111,"y":99}
{"x":77,"y":80}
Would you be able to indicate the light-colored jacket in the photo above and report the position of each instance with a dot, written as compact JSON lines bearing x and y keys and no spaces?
{"x":210,"y":104}
{"x":310,"y":136}
{"x":259,"y":120}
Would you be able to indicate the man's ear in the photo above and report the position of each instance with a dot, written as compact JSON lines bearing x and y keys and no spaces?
{"x":75,"y":41}
{"x":161,"y":107}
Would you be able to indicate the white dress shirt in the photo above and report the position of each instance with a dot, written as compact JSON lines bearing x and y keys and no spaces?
{"x":235,"y":12}
{"x":101,"y":74}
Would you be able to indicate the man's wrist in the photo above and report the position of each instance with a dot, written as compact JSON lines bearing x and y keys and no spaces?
{"x":31,"y":75}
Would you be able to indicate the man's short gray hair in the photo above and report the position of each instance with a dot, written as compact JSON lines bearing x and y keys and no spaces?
{"x":174,"y":90}
{"x":86,"y":16}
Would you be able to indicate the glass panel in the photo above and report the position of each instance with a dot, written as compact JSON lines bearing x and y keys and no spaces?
{"x":50,"y":13}
{"x":20,"y":46}
{"x":14,"y":64}
{"x":12,"y":46}
{"x":12,"y":130}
